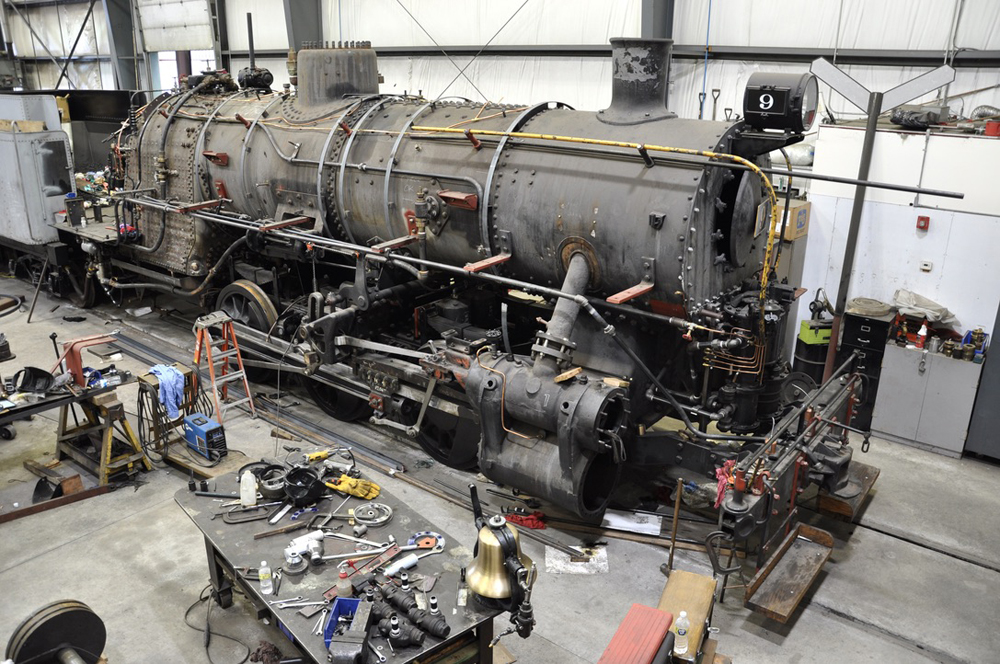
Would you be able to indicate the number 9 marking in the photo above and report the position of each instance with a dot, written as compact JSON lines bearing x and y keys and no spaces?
{"x":765,"y":102}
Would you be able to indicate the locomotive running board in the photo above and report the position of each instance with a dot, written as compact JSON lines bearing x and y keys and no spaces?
{"x":779,"y":586}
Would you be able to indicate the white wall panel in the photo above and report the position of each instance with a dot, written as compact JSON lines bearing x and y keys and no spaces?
{"x":947,"y":162}
{"x":920,"y":24}
{"x":269,"y":31}
{"x":457,"y":22}
{"x":961,"y":247}
{"x":584,"y":83}
{"x":175,"y":25}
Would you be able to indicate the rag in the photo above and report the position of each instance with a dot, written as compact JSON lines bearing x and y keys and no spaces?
{"x":171,"y":388}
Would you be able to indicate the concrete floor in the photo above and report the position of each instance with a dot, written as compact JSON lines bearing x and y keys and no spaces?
{"x":918,"y":580}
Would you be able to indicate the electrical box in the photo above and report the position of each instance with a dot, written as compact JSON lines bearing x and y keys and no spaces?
{"x":205,"y":436}
{"x":923,"y":223}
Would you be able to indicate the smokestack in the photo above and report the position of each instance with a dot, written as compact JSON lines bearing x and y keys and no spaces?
{"x":639,"y":81}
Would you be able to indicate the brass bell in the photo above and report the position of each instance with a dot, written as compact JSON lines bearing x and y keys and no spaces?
{"x":487,"y":576}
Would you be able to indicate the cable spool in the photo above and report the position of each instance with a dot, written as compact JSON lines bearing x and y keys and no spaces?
{"x":66,"y":632}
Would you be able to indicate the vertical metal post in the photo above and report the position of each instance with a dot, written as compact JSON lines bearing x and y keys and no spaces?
{"x":874,"y":109}
{"x":253,"y":57}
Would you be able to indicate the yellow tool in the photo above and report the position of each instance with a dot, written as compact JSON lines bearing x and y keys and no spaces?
{"x":361,"y":488}
{"x":313,"y":457}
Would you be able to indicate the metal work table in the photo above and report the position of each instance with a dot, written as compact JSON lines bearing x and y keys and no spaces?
{"x":231,"y":546}
{"x":25,"y":410}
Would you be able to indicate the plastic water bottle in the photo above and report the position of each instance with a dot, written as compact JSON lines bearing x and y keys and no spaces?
{"x":264,"y":574}
{"x":248,"y":490}
{"x":683,"y":625}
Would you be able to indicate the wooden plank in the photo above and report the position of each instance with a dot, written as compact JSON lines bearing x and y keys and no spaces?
{"x":55,"y":502}
{"x":694,"y":593}
{"x":840,"y":508}
{"x":780,"y":585}
{"x":178,"y":454}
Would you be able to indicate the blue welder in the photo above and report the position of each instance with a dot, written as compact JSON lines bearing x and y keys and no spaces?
{"x":205,"y":436}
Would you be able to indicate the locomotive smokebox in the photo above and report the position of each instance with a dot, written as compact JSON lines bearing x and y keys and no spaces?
{"x":639,"y":83}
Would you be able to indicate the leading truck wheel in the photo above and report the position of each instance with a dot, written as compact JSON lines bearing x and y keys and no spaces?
{"x":336,"y":403}
{"x":64,"y":631}
{"x":451,"y":440}
{"x":246,"y":303}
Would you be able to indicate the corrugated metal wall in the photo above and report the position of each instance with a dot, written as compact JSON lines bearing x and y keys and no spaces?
{"x":583,"y":82}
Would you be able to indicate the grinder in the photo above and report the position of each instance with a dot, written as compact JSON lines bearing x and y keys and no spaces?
{"x":500,"y":576}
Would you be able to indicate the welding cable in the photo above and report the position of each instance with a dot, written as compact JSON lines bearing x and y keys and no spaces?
{"x":208,"y":631}
{"x":785,"y":213}
{"x":200,"y":288}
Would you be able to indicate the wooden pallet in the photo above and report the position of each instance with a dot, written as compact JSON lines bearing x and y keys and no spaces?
{"x":780,"y":585}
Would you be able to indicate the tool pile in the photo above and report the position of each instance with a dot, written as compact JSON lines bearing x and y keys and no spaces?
{"x":376,"y":595}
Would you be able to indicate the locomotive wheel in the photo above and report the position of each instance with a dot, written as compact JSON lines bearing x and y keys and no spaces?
{"x":49,"y":632}
{"x":451,"y":440}
{"x":246,"y":303}
{"x":336,"y":403}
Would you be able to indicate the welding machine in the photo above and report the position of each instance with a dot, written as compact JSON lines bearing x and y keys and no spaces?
{"x":205,"y":436}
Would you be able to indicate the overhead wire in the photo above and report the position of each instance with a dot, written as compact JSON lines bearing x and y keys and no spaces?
{"x":461,"y":71}
{"x":478,"y":53}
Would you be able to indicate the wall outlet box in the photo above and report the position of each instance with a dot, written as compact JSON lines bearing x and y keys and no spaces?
{"x":926,"y":266}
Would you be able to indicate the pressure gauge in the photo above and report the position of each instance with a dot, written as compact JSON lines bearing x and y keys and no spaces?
{"x":781,"y":101}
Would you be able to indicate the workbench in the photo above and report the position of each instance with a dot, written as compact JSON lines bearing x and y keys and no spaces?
{"x":232,"y":546}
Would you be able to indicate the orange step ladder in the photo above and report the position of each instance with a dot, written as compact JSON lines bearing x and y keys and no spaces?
{"x":219,"y":368}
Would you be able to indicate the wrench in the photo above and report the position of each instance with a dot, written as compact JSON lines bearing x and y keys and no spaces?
{"x":380,"y":656}
{"x":358,"y":540}
{"x":289,"y":606}
{"x":286,"y":600}
{"x":321,"y":623}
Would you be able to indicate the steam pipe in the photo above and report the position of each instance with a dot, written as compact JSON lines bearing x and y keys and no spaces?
{"x":177,"y":291}
{"x":564,"y":314}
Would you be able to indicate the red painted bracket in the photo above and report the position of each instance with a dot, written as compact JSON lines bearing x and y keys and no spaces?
{"x":394,"y":244}
{"x":638,"y":290}
{"x":218,"y":158}
{"x":460,"y":200}
{"x":487,"y":263}
{"x":194,"y":207}
{"x":284,"y":223}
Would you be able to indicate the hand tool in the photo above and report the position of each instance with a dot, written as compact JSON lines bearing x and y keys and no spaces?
{"x":286,"y":600}
{"x":380,"y":656}
{"x":359,"y":540}
{"x":410,"y":561}
{"x":277,"y":581}
{"x":280,"y":513}
{"x":305,"y":510}
{"x":321,"y":623}
{"x":280,"y":531}
{"x":295,"y":604}
{"x":319,"y":521}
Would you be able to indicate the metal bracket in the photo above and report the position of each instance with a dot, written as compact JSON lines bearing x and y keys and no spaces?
{"x":505,"y":254}
{"x":389,"y":245}
{"x":640,"y":289}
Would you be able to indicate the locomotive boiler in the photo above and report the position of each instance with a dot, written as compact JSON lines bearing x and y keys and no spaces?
{"x":547,"y":293}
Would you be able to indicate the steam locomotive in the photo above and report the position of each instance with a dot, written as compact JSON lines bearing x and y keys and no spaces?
{"x":545,"y":293}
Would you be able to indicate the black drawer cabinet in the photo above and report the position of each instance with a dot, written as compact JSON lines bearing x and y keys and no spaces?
{"x":867,"y":335}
